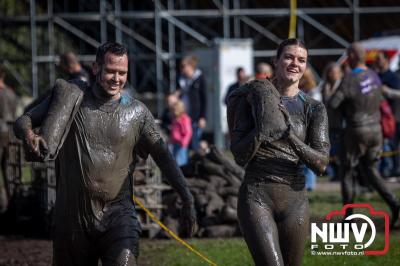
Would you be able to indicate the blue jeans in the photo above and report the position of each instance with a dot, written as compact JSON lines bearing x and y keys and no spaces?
{"x":310,"y":178}
{"x":386,"y":163}
{"x":180,"y":154}
{"x":196,"y":137}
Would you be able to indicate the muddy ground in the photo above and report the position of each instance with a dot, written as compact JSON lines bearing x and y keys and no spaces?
{"x":19,"y":251}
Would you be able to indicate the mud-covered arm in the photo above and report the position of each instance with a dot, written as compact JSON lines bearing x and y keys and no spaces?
{"x":315,"y":155}
{"x":151,"y":143}
{"x":32,"y":118}
{"x":340,"y":94}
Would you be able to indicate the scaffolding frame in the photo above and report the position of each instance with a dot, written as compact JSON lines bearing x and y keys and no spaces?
{"x":111,"y":14}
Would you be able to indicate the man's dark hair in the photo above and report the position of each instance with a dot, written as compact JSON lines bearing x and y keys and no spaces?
{"x":238,"y":70}
{"x":287,"y":42}
{"x":68,"y":58}
{"x":109,"y":47}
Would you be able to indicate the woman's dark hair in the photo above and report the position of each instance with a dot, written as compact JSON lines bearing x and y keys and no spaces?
{"x":112,"y":47}
{"x":287,"y":42}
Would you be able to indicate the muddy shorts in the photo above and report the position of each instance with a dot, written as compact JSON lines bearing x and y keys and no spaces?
{"x":114,"y":241}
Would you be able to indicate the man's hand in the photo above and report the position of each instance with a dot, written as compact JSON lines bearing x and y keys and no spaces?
{"x":34,"y":146}
{"x":188,"y":219}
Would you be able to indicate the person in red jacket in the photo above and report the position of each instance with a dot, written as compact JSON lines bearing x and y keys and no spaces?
{"x":181,"y":133}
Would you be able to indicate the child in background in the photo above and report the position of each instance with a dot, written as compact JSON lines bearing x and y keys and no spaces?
{"x":181,"y":133}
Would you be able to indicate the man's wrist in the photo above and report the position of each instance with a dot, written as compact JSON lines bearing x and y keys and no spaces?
{"x":29,"y":134}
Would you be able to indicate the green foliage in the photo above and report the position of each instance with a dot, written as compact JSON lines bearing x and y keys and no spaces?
{"x":15,"y":44}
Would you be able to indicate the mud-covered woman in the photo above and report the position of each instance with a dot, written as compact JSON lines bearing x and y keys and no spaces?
{"x":276,"y":130}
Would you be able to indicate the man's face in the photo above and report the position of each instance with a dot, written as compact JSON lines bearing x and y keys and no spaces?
{"x":112,"y":75}
{"x":241,"y":76}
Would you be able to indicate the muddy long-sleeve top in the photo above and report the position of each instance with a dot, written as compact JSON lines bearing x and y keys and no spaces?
{"x":273,"y":155}
{"x":359,"y":96}
{"x":98,"y":152}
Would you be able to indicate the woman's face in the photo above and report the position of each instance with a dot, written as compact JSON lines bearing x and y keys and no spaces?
{"x":334,"y":74}
{"x":292,"y":63}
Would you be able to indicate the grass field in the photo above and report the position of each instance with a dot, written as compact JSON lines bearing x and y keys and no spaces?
{"x":233,"y":251}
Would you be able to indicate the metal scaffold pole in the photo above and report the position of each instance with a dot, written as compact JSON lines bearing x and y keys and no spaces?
{"x":52,"y":71}
{"x":159,"y":67}
{"x":34,"y":49}
{"x":171,"y":50}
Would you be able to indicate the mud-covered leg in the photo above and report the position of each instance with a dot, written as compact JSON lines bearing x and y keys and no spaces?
{"x":293,"y":230}
{"x":347,"y":180}
{"x":122,"y":252}
{"x":259,"y":229}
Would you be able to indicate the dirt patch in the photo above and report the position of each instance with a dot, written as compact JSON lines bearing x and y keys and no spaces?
{"x":19,"y":251}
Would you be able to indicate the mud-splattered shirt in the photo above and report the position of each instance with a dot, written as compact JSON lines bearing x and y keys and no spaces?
{"x":360,"y":96}
{"x":94,"y":186}
{"x":277,"y":161}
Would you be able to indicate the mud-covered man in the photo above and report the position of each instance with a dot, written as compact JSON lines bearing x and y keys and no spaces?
{"x":360,"y":95}
{"x":94,"y":215}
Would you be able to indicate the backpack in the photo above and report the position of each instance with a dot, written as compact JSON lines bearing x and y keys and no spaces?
{"x":388,"y":122}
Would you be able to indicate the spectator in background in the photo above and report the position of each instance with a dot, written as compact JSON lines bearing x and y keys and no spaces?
{"x":167,"y":116}
{"x":332,"y":77}
{"x":192,"y":91}
{"x":73,"y":70}
{"x":241,"y":78}
{"x":70,"y":66}
{"x":391,"y":80}
{"x":308,"y":84}
{"x":264,"y":71}
{"x":181,"y":133}
{"x":8,"y":105}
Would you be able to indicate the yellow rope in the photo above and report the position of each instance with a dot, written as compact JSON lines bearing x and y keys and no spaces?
{"x":172,"y":234}
{"x":293,"y":19}
{"x":389,"y":153}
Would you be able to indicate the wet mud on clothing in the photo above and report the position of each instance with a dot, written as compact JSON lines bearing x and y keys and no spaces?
{"x":359,"y":96}
{"x":94,"y":186}
{"x":275,"y":221}
{"x":363,"y":146}
{"x":281,"y":161}
{"x":273,"y":207}
{"x":116,"y":244}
